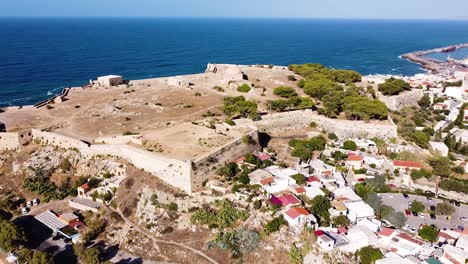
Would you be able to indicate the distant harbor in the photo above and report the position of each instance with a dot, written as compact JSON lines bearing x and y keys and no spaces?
{"x":434,"y":65}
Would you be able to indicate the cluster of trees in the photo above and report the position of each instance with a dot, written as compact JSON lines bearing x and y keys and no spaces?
{"x":444,"y":209}
{"x":456,"y":185}
{"x":239,"y":242}
{"x":225,"y":216}
{"x":49,"y":190}
{"x":428,"y":233}
{"x":324,"y":84}
{"x":455,"y":145}
{"x":385,"y":212}
{"x":303,"y":149}
{"x":91,"y":255}
{"x":292,"y":103}
{"x":26,"y":255}
{"x":312,"y":71}
{"x":393,"y":86}
{"x":349,"y":145}
{"x":417,"y":207}
{"x":418,"y":174}
{"x":368,"y":255}
{"x":285,"y":92}
{"x":363,"y":108}
{"x":275,"y":225}
{"x":237,"y":105}
{"x":341,"y":220}
{"x":319,"y":207}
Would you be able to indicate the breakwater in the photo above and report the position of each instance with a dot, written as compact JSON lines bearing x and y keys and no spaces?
{"x":433,"y":65}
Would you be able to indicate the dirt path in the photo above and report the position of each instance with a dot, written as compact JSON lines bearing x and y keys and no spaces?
{"x":137,"y":228}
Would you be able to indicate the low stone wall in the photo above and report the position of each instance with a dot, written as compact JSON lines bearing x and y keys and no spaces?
{"x":278,"y":122}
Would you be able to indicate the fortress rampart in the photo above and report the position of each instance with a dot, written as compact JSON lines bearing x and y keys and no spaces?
{"x":186,"y":175}
{"x":278,"y":122}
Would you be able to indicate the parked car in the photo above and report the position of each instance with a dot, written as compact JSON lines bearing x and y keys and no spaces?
{"x":432,"y":208}
{"x":464,"y":218}
{"x":29,"y":203}
{"x":415,"y":214}
{"x":405,"y":196}
{"x":421,"y":215}
{"x":35,"y":202}
{"x":457,"y":203}
{"x":407,"y":212}
{"x":24,"y":210}
{"x":433,"y":217}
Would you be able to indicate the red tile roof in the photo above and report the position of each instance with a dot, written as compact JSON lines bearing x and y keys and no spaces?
{"x":410,"y":239}
{"x":313,"y":179}
{"x":300,"y":189}
{"x":342,"y":230}
{"x":327,"y":172}
{"x":240,"y":160}
{"x":407,"y":164}
{"x":296,"y":212}
{"x":85,"y":186}
{"x":445,"y":235}
{"x":386,"y":232}
{"x":267,"y":181}
{"x":354,"y":158}
{"x":288,"y":199}
{"x":262,"y":156}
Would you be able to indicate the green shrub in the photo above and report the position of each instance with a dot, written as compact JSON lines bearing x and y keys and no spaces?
{"x":245,"y":88}
{"x":285,"y":92}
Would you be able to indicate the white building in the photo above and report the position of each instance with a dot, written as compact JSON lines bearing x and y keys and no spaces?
{"x":110,"y":80}
{"x":298,"y":217}
{"x":358,"y":210}
{"x":439,"y":148}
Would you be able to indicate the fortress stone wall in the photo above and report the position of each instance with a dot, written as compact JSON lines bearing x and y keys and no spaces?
{"x":186,"y":175}
{"x":203,"y":166}
{"x":14,"y":140}
{"x":405,"y":99}
{"x":278,"y":122}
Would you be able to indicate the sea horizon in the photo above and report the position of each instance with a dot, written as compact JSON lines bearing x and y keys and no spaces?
{"x":56,"y":52}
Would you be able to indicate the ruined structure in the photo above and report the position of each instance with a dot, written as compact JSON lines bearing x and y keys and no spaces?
{"x":402,"y":100}
{"x":226,"y":73}
{"x":187,"y":175}
{"x":278,"y":122}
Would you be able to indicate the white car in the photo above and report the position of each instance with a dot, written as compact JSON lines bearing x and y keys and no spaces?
{"x":464,"y":218}
{"x":29,"y":204}
{"x":35,"y":202}
{"x":24,"y":210}
{"x":421,"y":215}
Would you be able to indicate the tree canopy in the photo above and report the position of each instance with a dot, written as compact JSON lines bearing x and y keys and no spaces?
{"x":238,"y":105}
{"x":369,"y":255}
{"x":428,"y":233}
{"x":285,"y":92}
{"x":10,"y":235}
{"x":303,"y":148}
{"x":349,"y":145}
{"x":393,"y":86}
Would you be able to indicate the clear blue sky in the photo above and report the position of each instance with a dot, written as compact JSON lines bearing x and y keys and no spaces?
{"x":386,"y":9}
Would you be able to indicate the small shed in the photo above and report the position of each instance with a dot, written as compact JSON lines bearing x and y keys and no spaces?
{"x":110,"y":80}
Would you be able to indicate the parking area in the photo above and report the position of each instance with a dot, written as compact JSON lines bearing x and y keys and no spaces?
{"x":400,"y":203}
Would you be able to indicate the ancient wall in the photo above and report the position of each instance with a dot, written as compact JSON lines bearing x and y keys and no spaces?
{"x":61,"y":141}
{"x":405,"y":99}
{"x":278,"y":122}
{"x":9,"y":141}
{"x":14,"y":140}
{"x":203,"y":167}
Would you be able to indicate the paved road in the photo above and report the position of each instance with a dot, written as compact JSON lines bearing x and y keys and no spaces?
{"x":397,"y":201}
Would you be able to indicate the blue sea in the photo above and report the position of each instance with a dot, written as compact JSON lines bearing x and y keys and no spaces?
{"x":40,"y":56}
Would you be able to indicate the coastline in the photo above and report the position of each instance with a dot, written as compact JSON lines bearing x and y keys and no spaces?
{"x":433,"y":65}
